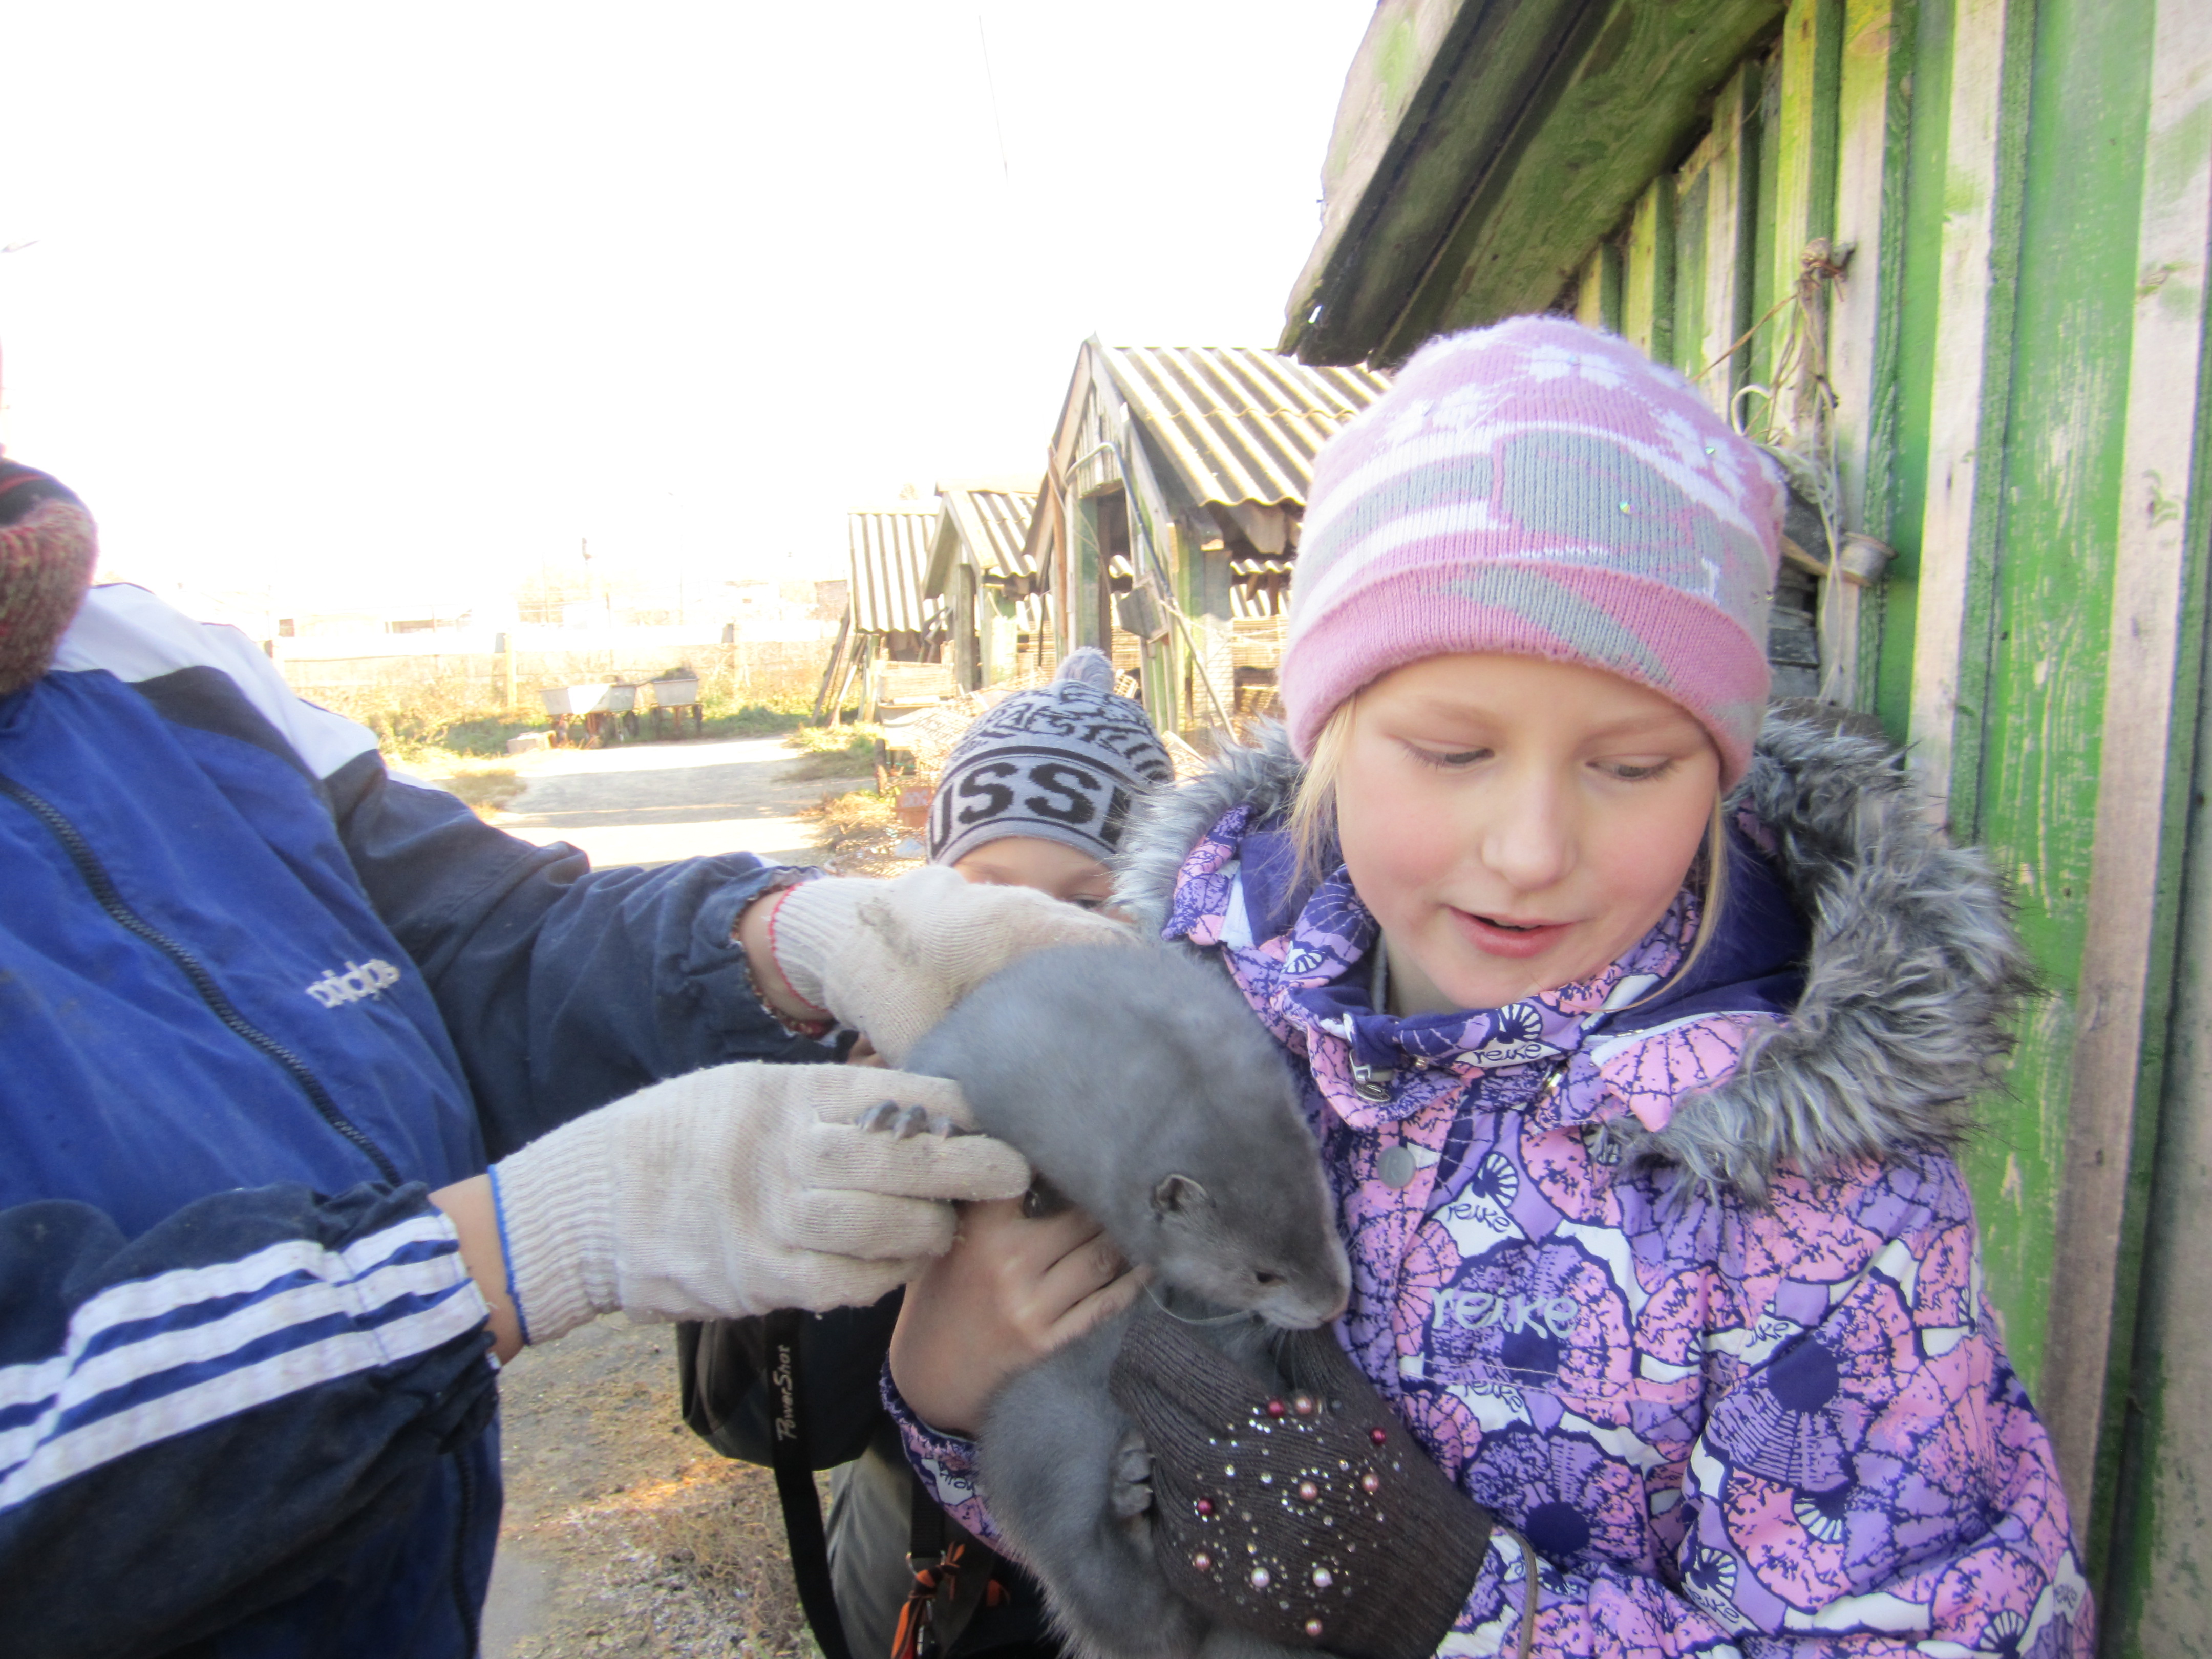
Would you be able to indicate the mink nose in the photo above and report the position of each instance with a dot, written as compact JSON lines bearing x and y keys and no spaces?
{"x":1304,"y":1310}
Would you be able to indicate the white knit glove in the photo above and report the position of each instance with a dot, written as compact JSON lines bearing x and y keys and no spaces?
{"x":736,"y":1190}
{"x":890,"y":957}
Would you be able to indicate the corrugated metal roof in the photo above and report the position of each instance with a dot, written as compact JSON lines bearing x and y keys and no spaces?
{"x":994,"y":523}
{"x":890,"y":556}
{"x":1238,"y":423}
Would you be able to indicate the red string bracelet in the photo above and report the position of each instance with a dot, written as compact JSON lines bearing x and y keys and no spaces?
{"x":812,"y":1027}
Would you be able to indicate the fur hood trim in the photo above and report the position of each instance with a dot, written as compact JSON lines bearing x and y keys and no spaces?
{"x":1913,"y":977}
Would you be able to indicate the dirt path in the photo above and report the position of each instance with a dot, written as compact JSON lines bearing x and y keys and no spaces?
{"x":647,"y":803}
{"x":623,"y":1532}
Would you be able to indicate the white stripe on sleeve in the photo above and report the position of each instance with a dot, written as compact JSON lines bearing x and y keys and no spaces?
{"x":294,"y":1286}
{"x":136,"y":636}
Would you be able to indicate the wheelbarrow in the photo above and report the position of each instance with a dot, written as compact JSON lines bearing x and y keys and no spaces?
{"x":608,"y":712}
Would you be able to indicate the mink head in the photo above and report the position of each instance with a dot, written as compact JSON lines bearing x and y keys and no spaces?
{"x":1137,"y":1083}
{"x":1255,"y":1252}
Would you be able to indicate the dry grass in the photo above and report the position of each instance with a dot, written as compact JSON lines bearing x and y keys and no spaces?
{"x":640,"y":1539}
{"x":693,"y":1565}
{"x":860,"y":834}
{"x":408,"y":721}
{"x":486,"y":786}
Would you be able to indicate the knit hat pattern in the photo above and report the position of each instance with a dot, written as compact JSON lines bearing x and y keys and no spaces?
{"x":1540,"y":489}
{"x":1065,"y":761}
{"x":48,"y":548}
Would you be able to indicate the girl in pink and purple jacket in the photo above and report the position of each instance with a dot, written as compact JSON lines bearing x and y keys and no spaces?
{"x":1636,"y":1024}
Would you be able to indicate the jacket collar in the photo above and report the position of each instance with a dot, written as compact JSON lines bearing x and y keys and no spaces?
{"x":1889,"y":950}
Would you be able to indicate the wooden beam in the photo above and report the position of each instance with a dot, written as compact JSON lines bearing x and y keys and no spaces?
{"x":2141,"y":794}
{"x":1612,"y":110}
{"x":1968,"y":409}
{"x":1394,"y":185}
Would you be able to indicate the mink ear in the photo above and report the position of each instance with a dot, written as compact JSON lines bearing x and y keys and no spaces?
{"x":1177,"y":1192}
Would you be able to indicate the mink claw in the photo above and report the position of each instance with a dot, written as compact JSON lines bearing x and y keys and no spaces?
{"x":878,"y":1117}
{"x":1130,"y":1488}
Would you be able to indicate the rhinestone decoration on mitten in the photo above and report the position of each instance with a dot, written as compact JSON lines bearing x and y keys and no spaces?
{"x":1277,"y":1465}
{"x":1296,"y":1505}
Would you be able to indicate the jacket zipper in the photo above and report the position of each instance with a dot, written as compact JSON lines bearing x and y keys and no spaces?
{"x":104,"y":891}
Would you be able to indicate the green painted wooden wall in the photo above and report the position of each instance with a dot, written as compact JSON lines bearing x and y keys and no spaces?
{"x":2015,"y":351}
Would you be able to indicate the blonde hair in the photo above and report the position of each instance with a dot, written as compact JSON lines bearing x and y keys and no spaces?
{"x":1313,"y":832}
{"x":1312,"y":808}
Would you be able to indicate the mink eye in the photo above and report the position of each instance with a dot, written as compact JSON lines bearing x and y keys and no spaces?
{"x":1268,"y":1278}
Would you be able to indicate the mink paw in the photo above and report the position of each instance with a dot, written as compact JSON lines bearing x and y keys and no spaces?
{"x":1129,"y":1486}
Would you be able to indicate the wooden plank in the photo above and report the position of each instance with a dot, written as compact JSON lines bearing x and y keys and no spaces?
{"x":1590,"y":299}
{"x":1797,"y":217}
{"x":1597,"y":291}
{"x":1762,"y":169}
{"x":2136,"y":799}
{"x":964,"y":622}
{"x":1872,"y":131}
{"x":835,"y":671}
{"x":1717,"y":195}
{"x":1087,"y":576}
{"x":872,"y":647}
{"x":2036,"y":623}
{"x":1966,"y":411}
{"x":1809,"y":72}
{"x":1647,"y":288}
{"x":2154,"y":1596}
{"x":1608,"y":116}
{"x":999,"y":625}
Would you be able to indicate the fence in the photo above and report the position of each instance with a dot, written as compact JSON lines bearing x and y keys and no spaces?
{"x":749,"y":671}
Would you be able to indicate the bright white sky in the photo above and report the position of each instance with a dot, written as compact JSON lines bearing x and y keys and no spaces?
{"x":401,"y":300}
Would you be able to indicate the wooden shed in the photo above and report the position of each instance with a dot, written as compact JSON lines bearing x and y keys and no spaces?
{"x":1171,"y":511}
{"x":1948,"y":256}
{"x":894,"y":633}
{"x":980,"y":573}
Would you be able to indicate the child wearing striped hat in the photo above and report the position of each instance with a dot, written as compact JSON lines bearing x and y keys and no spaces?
{"x":1639,"y":1026}
{"x":1038,"y":791}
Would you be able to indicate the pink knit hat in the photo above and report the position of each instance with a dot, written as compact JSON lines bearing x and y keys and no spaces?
{"x":1544,"y":490}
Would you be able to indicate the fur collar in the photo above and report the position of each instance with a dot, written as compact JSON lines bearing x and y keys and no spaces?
{"x":1912,"y":979}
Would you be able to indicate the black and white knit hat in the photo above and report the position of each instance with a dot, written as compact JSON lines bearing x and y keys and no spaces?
{"x":1065,"y":761}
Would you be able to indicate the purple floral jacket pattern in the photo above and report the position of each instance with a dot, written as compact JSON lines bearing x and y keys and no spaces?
{"x":1724,"y":1429}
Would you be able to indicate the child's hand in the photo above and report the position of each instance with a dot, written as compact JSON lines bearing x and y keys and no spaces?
{"x":890,"y":957}
{"x":1008,"y":1293}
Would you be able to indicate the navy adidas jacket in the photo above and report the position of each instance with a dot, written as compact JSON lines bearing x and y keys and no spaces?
{"x":257,"y":997}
